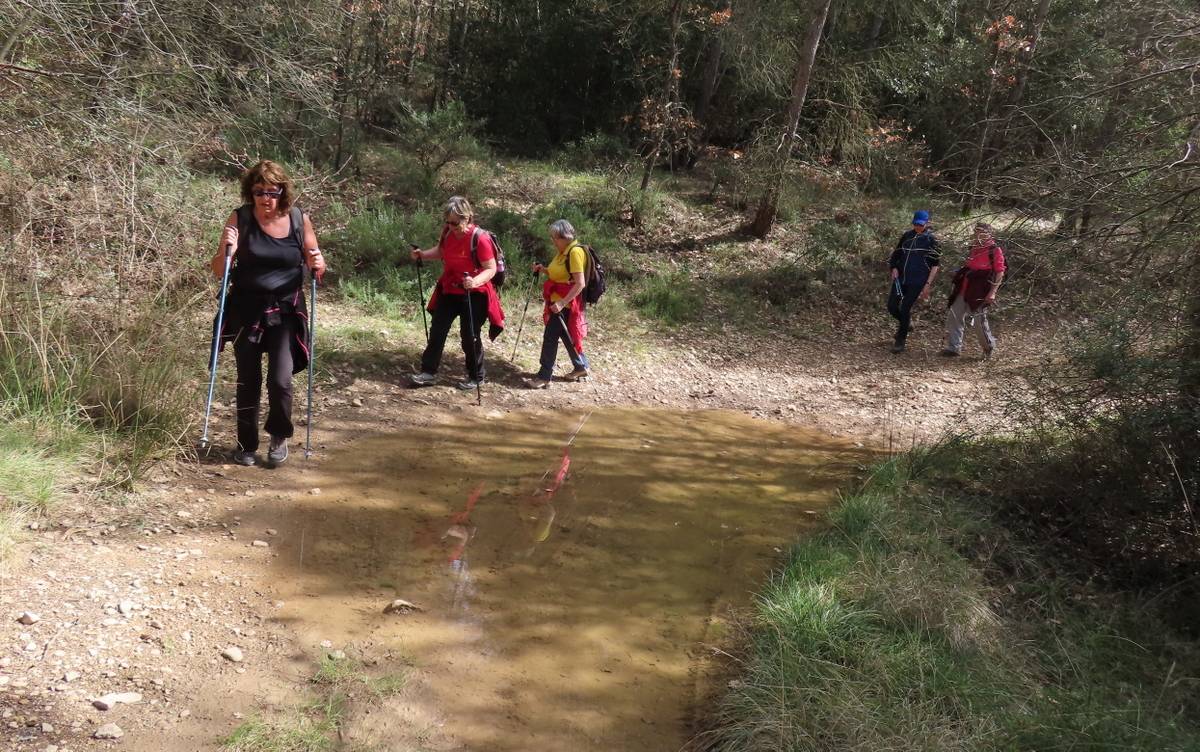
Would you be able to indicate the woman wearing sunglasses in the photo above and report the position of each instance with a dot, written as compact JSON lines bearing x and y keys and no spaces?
{"x":265,"y":312}
{"x":464,"y":291}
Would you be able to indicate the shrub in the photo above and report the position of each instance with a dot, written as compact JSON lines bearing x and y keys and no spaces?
{"x":595,"y":150}
{"x":670,"y":297}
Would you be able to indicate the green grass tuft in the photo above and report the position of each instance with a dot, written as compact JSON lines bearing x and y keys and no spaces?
{"x":886,"y":632}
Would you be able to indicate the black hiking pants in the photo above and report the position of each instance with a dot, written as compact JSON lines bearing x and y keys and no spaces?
{"x":450,"y":307}
{"x":276,"y":344}
{"x":900,"y":304}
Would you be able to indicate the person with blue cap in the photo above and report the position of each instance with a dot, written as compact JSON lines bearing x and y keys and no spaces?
{"x":914,"y":266}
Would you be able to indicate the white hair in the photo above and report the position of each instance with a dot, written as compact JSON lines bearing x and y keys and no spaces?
{"x":561,"y":228}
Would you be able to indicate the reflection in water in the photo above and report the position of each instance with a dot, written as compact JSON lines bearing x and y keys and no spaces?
{"x":572,"y":598}
{"x":460,"y":534}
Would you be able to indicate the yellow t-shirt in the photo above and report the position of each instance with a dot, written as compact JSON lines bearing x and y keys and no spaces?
{"x":572,"y":260}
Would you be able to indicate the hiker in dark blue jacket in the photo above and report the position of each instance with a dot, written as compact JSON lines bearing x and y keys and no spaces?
{"x":914,"y":266}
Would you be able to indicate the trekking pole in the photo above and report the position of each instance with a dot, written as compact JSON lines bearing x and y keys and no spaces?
{"x":567,"y":334}
{"x":421,"y":293}
{"x":476,"y":345}
{"x":216,"y":346}
{"x":312,"y":359}
{"x":521,"y":327}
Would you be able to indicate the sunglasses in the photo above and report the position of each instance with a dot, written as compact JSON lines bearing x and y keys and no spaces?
{"x":260,"y":193}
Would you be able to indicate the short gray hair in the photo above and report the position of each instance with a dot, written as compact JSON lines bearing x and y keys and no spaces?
{"x":561,"y":228}
{"x":461,"y":206}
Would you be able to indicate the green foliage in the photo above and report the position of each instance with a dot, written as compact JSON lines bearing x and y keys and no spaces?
{"x":863,"y":646}
{"x":432,"y":140}
{"x":346,"y":673}
{"x":309,"y":730}
{"x":37,"y":460}
{"x":671,"y":297}
{"x":596,"y":150}
{"x":833,"y":244}
{"x":376,"y":234}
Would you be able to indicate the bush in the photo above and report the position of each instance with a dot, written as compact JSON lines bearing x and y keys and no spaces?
{"x":427,"y":142}
{"x":375,"y":233}
{"x":833,"y":244}
{"x":670,"y":297}
{"x":596,"y":150}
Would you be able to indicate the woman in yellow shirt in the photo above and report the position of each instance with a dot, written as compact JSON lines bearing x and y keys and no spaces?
{"x":563,"y":313}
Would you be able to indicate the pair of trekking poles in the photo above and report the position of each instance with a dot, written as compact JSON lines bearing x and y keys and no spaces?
{"x":219,"y":331}
{"x":471,"y":320}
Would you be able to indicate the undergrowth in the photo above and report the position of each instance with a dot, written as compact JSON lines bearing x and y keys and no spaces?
{"x":899,"y":628}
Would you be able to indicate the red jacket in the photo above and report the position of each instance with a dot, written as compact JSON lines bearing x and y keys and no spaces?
{"x":576,"y":323}
{"x":973,"y":281}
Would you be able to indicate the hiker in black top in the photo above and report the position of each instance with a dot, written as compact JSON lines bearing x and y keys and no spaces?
{"x":265,"y":311}
{"x":914,"y":266}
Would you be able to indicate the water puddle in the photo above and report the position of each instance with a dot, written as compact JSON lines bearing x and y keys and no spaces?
{"x":572,"y":569}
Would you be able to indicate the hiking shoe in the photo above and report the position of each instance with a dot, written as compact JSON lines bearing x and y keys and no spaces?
{"x":948,"y":353}
{"x":245,"y":458}
{"x":536,"y":383}
{"x":278,"y":453}
{"x":469,"y":384}
{"x":987,"y":353}
{"x":576,"y":375}
{"x":422,"y":379}
{"x":898,"y":348}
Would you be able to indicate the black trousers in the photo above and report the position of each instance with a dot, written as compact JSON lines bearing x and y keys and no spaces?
{"x":450,"y":307}
{"x":276,"y":343}
{"x":900,"y":304}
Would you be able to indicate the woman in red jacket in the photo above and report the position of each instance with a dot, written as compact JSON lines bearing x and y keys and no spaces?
{"x":466,"y":281}
{"x":974,"y":289}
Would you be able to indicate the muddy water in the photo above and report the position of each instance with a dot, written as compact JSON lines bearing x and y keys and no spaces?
{"x":573,"y":570}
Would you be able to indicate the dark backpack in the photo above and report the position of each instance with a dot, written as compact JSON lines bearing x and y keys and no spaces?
{"x":593,"y":277}
{"x":501,"y":267}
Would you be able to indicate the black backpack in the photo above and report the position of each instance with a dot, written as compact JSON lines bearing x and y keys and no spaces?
{"x":593,"y":277}
{"x":501,"y":267}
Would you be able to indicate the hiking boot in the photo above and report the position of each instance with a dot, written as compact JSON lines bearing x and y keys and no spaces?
{"x":469,"y":384}
{"x":949,"y":353}
{"x":536,"y":383}
{"x":422,"y":379}
{"x":577,"y":374}
{"x":898,"y":348}
{"x":248,"y":459}
{"x":987,"y":352}
{"x":278,"y":452}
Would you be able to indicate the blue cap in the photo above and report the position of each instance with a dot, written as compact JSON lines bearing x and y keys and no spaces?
{"x":921,"y":217}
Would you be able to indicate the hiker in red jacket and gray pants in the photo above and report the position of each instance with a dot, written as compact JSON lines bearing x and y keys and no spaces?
{"x":973,"y":290}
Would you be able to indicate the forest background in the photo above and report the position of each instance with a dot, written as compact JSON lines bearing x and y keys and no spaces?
{"x":1073,"y":125}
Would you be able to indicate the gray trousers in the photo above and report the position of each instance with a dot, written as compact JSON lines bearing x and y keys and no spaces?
{"x":958,"y":317}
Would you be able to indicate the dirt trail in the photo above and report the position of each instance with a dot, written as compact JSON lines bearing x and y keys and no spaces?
{"x":145,"y":597}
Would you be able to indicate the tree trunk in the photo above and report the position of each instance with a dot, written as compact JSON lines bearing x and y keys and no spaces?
{"x":670,"y":86}
{"x":342,"y":81}
{"x":713,"y":54}
{"x":768,"y":205}
{"x":991,"y":142}
{"x":874,"y":33}
{"x":1189,"y":382}
{"x":1024,"y":69}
